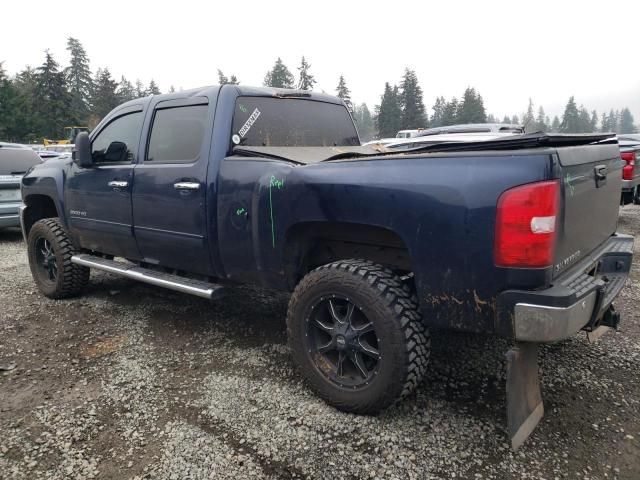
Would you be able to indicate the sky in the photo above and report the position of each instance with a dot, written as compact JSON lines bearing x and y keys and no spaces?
{"x":509,"y":51}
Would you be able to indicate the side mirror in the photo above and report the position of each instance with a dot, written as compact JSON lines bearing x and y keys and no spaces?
{"x":82,"y":151}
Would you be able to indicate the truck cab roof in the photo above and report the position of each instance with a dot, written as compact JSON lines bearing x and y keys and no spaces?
{"x":212,"y":91}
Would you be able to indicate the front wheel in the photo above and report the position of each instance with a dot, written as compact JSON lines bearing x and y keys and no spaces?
{"x":50,"y":251}
{"x":356,"y":334}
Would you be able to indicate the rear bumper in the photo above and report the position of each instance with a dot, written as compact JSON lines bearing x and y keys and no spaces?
{"x":10,"y":214}
{"x":579,"y":299}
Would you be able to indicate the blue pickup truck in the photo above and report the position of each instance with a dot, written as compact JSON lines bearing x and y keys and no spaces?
{"x":197,"y":190}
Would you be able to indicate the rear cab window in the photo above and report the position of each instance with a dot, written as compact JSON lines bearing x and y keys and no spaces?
{"x":291,"y":122}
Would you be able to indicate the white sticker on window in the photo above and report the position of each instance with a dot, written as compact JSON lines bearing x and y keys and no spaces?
{"x":249,"y":123}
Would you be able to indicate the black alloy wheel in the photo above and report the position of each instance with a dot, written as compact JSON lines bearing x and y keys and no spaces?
{"x":342,"y":342}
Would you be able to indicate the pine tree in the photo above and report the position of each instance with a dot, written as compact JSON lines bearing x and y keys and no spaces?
{"x":78,"y":77}
{"x":491,"y":118}
{"x":604,"y":123}
{"x":279,"y":76}
{"x":343,"y":92}
{"x":626,"y":121}
{"x":52,"y":100}
{"x":528,"y":119}
{"x":104,"y":97}
{"x":515,"y":120}
{"x":125,"y":91}
{"x":364,"y":122}
{"x":413,"y":111}
{"x":471,"y":108}
{"x":25,"y":119}
{"x":555,"y":125}
{"x":541,"y":123}
{"x":593,"y":126}
{"x":389,"y":114}
{"x":450,"y":113}
{"x":140,"y":90}
{"x":8,"y":104}
{"x":438,"y":112}
{"x":305,"y":79}
{"x":153,"y":88}
{"x":613,"y":121}
{"x":506,"y":119}
{"x":571,"y":117}
{"x":172,"y":89}
{"x":223,"y":79}
{"x":584,"y":120}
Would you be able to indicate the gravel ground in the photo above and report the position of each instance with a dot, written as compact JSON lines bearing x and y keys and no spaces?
{"x":130,"y":381}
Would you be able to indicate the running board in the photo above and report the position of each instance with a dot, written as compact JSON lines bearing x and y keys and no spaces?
{"x":145,"y":275}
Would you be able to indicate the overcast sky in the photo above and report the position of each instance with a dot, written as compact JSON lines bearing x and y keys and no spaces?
{"x":509,"y":51}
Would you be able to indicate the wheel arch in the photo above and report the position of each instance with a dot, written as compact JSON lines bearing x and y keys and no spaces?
{"x":309,"y":245}
{"x":37,"y":207}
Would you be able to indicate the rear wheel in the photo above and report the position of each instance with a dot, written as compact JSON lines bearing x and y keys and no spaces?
{"x":50,"y":251}
{"x":357,"y":336}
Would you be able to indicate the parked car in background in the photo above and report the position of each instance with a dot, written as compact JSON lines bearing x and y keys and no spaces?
{"x":425,"y":141}
{"x":15,"y":161}
{"x":488,"y":130}
{"x":474,"y":128}
{"x":630,"y":153}
{"x":409,"y":133}
{"x":12,"y":145}
{"x":634,"y":137}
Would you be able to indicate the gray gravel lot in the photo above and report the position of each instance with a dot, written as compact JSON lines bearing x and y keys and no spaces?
{"x":130,"y":381}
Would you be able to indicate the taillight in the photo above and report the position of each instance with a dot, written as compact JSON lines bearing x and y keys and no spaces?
{"x":627,"y":170}
{"x":526,"y":225}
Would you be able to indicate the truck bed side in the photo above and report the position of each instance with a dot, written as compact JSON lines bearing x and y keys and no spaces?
{"x":438,"y":208}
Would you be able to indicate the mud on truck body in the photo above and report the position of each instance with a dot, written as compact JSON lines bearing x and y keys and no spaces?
{"x":197,"y":190}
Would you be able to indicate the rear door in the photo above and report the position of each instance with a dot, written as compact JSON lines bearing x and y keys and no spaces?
{"x":591,"y":181}
{"x":169,"y":195}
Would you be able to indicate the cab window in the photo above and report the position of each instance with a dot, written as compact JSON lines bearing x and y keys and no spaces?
{"x":118,"y":141}
{"x":177,"y":134}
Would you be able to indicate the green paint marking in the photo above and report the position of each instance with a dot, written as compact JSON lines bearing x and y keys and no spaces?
{"x":243,"y":108}
{"x":240,"y":211}
{"x":279,"y":184}
{"x":569,"y":179}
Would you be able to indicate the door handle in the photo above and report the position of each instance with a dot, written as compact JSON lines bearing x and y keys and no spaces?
{"x":186,"y":186}
{"x":118,"y":184}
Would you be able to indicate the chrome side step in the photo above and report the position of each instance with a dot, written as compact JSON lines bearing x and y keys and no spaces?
{"x":145,"y":275}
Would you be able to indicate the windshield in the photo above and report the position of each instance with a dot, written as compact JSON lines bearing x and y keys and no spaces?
{"x":291,"y":122}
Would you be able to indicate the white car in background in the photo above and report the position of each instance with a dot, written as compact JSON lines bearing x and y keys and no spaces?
{"x":409,"y":133}
{"x":471,"y":132}
{"x":15,"y":160}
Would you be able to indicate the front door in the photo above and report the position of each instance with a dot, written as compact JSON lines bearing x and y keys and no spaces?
{"x":98,"y":198}
{"x":169,"y":193}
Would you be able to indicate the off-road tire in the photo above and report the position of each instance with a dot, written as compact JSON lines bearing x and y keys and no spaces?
{"x":71,"y":278}
{"x":392,"y":308}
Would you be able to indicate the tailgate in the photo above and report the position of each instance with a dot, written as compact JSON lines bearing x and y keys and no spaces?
{"x":590,"y":204}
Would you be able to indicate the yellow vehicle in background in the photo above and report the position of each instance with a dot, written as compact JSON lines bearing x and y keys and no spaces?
{"x":70,"y":136}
